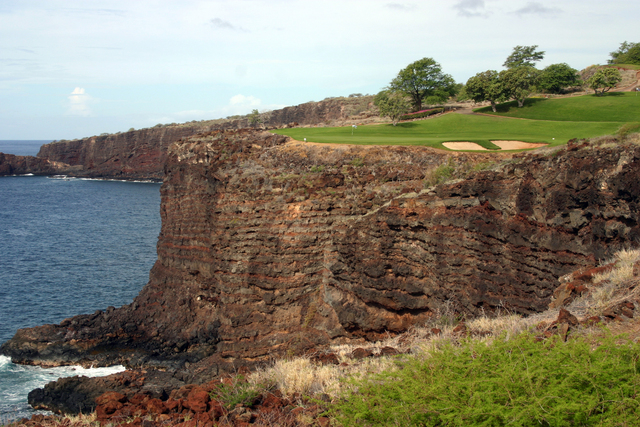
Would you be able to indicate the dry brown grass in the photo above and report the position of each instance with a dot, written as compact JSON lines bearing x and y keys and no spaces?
{"x":301,"y":375}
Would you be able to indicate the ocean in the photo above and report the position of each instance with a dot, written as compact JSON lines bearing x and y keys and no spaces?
{"x":22,"y":147}
{"x":67,"y":247}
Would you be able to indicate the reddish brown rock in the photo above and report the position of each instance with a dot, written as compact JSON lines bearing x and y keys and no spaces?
{"x":23,"y":165}
{"x":388,"y":351}
{"x":242,"y":276}
{"x":197,"y":400}
{"x":111,"y":396}
{"x":361,"y":353}
{"x":326,"y":359}
{"x":460,"y":329}
{"x":564,"y":316}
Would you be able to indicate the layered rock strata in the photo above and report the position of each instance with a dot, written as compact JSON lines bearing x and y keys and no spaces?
{"x":270,"y":248}
{"x":137,"y":154}
{"x":141,"y":154}
{"x":11,"y":164}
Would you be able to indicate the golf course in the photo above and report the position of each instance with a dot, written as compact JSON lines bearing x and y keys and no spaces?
{"x":541,"y":120}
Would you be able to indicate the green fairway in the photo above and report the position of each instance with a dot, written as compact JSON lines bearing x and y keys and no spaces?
{"x":455,"y":127}
{"x":613,"y":107}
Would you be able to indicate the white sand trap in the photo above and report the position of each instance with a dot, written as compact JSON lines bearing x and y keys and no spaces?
{"x":517,"y":145}
{"x":505,"y":145}
{"x":463,"y":146}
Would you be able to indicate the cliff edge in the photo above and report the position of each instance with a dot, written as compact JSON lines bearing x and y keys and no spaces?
{"x":271,"y":247}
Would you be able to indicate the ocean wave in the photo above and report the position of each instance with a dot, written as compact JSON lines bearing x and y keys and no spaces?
{"x":4,"y":361}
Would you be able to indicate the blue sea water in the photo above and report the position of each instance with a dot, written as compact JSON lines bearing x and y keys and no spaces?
{"x":22,"y":147}
{"x":68,"y":247}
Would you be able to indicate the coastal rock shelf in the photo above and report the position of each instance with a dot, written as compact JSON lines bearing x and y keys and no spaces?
{"x":271,"y":248}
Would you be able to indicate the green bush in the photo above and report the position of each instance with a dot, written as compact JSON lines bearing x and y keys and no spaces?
{"x":240,"y":392}
{"x":421,"y":114}
{"x":442,"y":173}
{"x":517,"y":382}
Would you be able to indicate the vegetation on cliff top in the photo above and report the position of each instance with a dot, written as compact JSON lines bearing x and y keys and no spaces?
{"x":552,"y":121}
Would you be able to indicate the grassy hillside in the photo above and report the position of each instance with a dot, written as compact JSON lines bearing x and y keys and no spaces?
{"x":455,"y":127}
{"x":551,"y":121}
{"x":614,"y":107}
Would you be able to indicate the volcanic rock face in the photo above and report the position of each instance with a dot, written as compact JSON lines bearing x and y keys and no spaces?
{"x":21,"y":165}
{"x":270,"y":248}
{"x":129,"y":155}
{"x":141,"y":154}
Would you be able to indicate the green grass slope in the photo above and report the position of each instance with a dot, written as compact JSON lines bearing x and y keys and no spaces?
{"x":455,"y":127}
{"x":618,"y":107}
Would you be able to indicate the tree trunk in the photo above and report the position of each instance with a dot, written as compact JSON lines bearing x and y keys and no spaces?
{"x":493,"y":106}
{"x":521,"y":102}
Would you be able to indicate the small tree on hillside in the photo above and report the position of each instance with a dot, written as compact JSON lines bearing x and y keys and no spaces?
{"x":421,"y":79}
{"x":523,"y":56}
{"x":605,"y":79}
{"x":627,"y":53}
{"x":254,"y":118}
{"x":556,"y":77}
{"x":519,"y":82}
{"x":486,"y":86}
{"x":391,"y":104}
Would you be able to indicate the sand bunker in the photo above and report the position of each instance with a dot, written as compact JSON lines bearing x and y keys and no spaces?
{"x":517,"y":145}
{"x":463,"y":146}
{"x":505,"y":145}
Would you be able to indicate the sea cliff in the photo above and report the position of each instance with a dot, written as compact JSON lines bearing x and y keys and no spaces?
{"x":270,"y":247}
{"x":141,"y":154}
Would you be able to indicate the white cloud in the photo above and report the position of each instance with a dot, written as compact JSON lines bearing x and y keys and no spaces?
{"x":533,"y":7}
{"x":401,"y":6}
{"x":225,"y":25}
{"x":79,"y":102}
{"x":244,"y":101}
{"x":470,"y":8}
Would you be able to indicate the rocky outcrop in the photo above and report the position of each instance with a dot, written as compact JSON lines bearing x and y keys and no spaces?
{"x":22,"y":165}
{"x":137,"y":154}
{"x":141,"y":154}
{"x":328,"y":111}
{"x":270,"y":248}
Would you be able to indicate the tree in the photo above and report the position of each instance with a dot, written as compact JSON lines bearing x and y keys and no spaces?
{"x":523,"y":56}
{"x":519,"y":82}
{"x":627,"y":53}
{"x":486,"y":86}
{"x":421,"y":79}
{"x":556,"y":77}
{"x":391,"y":104}
{"x":254,"y":117}
{"x":605,"y":79}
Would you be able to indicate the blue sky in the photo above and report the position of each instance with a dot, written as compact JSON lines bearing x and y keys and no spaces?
{"x":71,"y":69}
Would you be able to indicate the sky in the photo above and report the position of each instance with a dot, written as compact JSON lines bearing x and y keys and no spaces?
{"x":77,"y":68}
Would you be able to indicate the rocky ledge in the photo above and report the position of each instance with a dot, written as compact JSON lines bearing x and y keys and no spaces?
{"x":273,"y":248}
{"x":22,"y":165}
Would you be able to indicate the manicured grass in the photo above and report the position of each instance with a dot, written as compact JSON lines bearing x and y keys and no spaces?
{"x":455,"y":127}
{"x":612,"y":107}
{"x":517,"y":382}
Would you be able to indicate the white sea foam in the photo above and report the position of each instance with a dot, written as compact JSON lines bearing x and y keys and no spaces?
{"x":4,"y":361}
{"x":16,"y":381}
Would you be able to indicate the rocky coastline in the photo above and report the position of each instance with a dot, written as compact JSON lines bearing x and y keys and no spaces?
{"x":270,"y":248}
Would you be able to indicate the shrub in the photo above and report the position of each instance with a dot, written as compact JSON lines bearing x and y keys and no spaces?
{"x":519,"y":382}
{"x":422,"y":114}
{"x":441,"y":174}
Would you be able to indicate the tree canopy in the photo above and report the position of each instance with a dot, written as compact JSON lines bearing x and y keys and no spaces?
{"x":486,"y":86}
{"x":421,"y":79}
{"x":556,"y":77}
{"x":523,"y":56}
{"x":391,"y":104}
{"x":519,"y":82}
{"x":627,"y":53}
{"x":605,"y":79}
